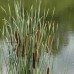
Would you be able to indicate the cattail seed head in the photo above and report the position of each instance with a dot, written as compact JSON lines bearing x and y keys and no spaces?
{"x":48,"y":71}
{"x":18,"y":38}
{"x":38,"y":36}
{"x":34,"y":60}
{"x":26,"y":44}
{"x":36,"y":45}
{"x":36,"y":54}
{"x":26,"y":41}
{"x":17,"y":50}
{"x":49,"y":41}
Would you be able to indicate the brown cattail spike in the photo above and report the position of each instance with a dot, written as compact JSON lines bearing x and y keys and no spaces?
{"x":49,"y":41}
{"x":18,"y":39}
{"x":36,"y":45}
{"x":38,"y":36}
{"x":36,"y":54}
{"x":26,"y":44}
{"x":35,"y":51}
{"x":34,"y":60}
{"x":48,"y":71}
{"x":17,"y":50}
{"x":36,"y":41}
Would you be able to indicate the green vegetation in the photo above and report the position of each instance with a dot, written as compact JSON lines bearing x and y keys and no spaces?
{"x":28,"y":35}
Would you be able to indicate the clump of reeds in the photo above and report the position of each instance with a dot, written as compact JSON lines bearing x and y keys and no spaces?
{"x":30,"y":34}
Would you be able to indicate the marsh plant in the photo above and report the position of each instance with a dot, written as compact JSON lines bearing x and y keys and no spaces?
{"x":28,"y":38}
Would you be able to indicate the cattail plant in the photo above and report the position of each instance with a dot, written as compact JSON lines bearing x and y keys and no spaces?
{"x":29,"y":39}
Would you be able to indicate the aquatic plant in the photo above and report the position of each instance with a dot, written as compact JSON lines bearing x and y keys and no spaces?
{"x":29,"y":37}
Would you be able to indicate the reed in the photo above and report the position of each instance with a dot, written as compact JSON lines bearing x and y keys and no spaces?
{"x":30,"y":33}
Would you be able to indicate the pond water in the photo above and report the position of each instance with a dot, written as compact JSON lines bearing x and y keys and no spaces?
{"x":64,"y":60}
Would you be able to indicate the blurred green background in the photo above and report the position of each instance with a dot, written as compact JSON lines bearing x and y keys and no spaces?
{"x":64,"y":9}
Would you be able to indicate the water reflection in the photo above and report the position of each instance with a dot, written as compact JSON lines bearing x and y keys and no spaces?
{"x":64,"y":62}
